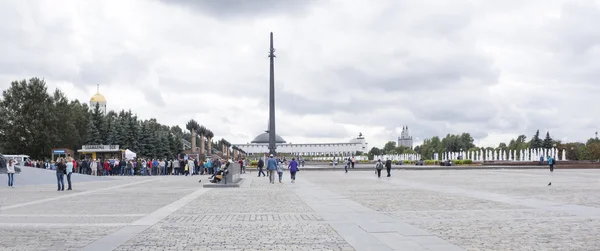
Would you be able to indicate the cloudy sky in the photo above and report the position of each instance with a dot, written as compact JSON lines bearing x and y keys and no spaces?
{"x":495,"y":69}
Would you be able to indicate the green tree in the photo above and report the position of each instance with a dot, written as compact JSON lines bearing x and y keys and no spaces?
{"x":375,"y":152}
{"x":93,"y":135}
{"x":146,"y":149}
{"x":502,"y":146}
{"x":390,"y":147}
{"x":80,"y":116}
{"x":536,"y":141}
{"x":112,"y":129}
{"x":62,"y":129}
{"x":548,"y":142}
{"x":27,"y":113}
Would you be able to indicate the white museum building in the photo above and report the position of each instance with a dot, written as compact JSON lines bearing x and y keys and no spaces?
{"x":260,"y":145}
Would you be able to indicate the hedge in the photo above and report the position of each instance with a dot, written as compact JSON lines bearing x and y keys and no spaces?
{"x":431,"y":162}
{"x":254,"y":163}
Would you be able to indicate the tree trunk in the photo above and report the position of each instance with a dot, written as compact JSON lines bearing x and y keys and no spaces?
{"x":193,"y":141}
{"x":201,"y":143}
{"x":209,"y":147}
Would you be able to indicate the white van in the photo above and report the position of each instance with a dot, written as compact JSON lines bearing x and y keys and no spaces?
{"x":20,"y":159}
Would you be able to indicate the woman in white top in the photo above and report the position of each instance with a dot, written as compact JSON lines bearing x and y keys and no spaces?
{"x":11,"y":172}
{"x":69,"y":171}
{"x":94,"y":168}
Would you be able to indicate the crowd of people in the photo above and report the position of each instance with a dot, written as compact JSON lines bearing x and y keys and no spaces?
{"x":140,"y":166}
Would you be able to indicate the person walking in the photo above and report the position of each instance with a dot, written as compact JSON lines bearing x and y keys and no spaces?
{"x":551,"y":165}
{"x":69,"y":170}
{"x":353,"y":160}
{"x":388,"y":167}
{"x":271,"y":168}
{"x":378,"y":168}
{"x":280,"y":172}
{"x":260,"y":166}
{"x":10,"y":170}
{"x":293,"y":166}
{"x":348,"y":163}
{"x":61,"y":168}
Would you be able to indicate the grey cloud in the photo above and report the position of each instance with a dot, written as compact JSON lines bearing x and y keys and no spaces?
{"x":244,"y":8}
{"x":577,"y":40}
{"x":427,"y":74}
{"x":299,"y":103}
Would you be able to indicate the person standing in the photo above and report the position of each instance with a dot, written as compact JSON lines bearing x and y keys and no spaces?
{"x":260,"y":166}
{"x":129,"y":168}
{"x":241,"y":162}
{"x":175,"y":167}
{"x":388,"y":167}
{"x":551,"y":165}
{"x":94,"y":167}
{"x":209,"y":166}
{"x":293,"y":166}
{"x":352,"y":162}
{"x":190,"y":165}
{"x":69,"y":170}
{"x":216,"y":165}
{"x":144,"y":168}
{"x":271,"y":168}
{"x":378,"y":168}
{"x":162,"y":167}
{"x":10,"y":170}
{"x":61,"y":168}
{"x":84,"y":166}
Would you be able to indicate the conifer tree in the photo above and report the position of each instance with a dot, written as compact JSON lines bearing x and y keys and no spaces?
{"x":548,"y":142}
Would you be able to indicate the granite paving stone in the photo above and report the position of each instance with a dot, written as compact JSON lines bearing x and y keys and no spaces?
{"x":325,"y":210}
{"x":50,"y":238}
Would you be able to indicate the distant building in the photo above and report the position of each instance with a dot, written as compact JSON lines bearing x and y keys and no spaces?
{"x":405,"y":139}
{"x":98,"y":99}
{"x":260,"y":145}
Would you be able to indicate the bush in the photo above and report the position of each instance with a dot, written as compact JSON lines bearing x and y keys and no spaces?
{"x":431,"y":162}
{"x":254,"y":163}
{"x":462,"y":162}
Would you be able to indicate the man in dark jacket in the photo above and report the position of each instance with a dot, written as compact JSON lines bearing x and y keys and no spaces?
{"x":261,"y":165}
{"x":388,"y":167}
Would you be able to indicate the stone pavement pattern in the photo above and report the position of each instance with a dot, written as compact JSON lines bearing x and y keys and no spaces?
{"x":412,"y":210}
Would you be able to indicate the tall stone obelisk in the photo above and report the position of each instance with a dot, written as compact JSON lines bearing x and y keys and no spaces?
{"x":272,"y":145}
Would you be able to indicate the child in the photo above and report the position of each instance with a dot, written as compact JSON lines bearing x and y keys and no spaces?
{"x":280,"y":172}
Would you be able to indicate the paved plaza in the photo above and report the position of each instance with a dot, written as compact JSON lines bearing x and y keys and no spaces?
{"x":442,"y":210}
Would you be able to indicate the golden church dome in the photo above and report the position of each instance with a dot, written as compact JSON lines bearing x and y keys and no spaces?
{"x":98,"y":98}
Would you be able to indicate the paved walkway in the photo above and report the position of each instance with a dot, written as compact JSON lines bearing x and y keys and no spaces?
{"x":412,"y":210}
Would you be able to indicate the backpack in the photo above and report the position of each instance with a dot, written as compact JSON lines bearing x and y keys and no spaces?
{"x":379,"y":166}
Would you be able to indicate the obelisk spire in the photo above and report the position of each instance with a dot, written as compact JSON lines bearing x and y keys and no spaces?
{"x":272,"y":144}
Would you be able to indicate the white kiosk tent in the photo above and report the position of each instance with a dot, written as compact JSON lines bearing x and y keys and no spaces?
{"x":129,"y":154}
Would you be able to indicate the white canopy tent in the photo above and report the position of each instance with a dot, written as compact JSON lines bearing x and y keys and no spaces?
{"x":129,"y":154}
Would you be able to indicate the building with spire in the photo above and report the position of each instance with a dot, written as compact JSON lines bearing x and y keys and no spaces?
{"x":405,"y":139}
{"x":98,"y":99}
